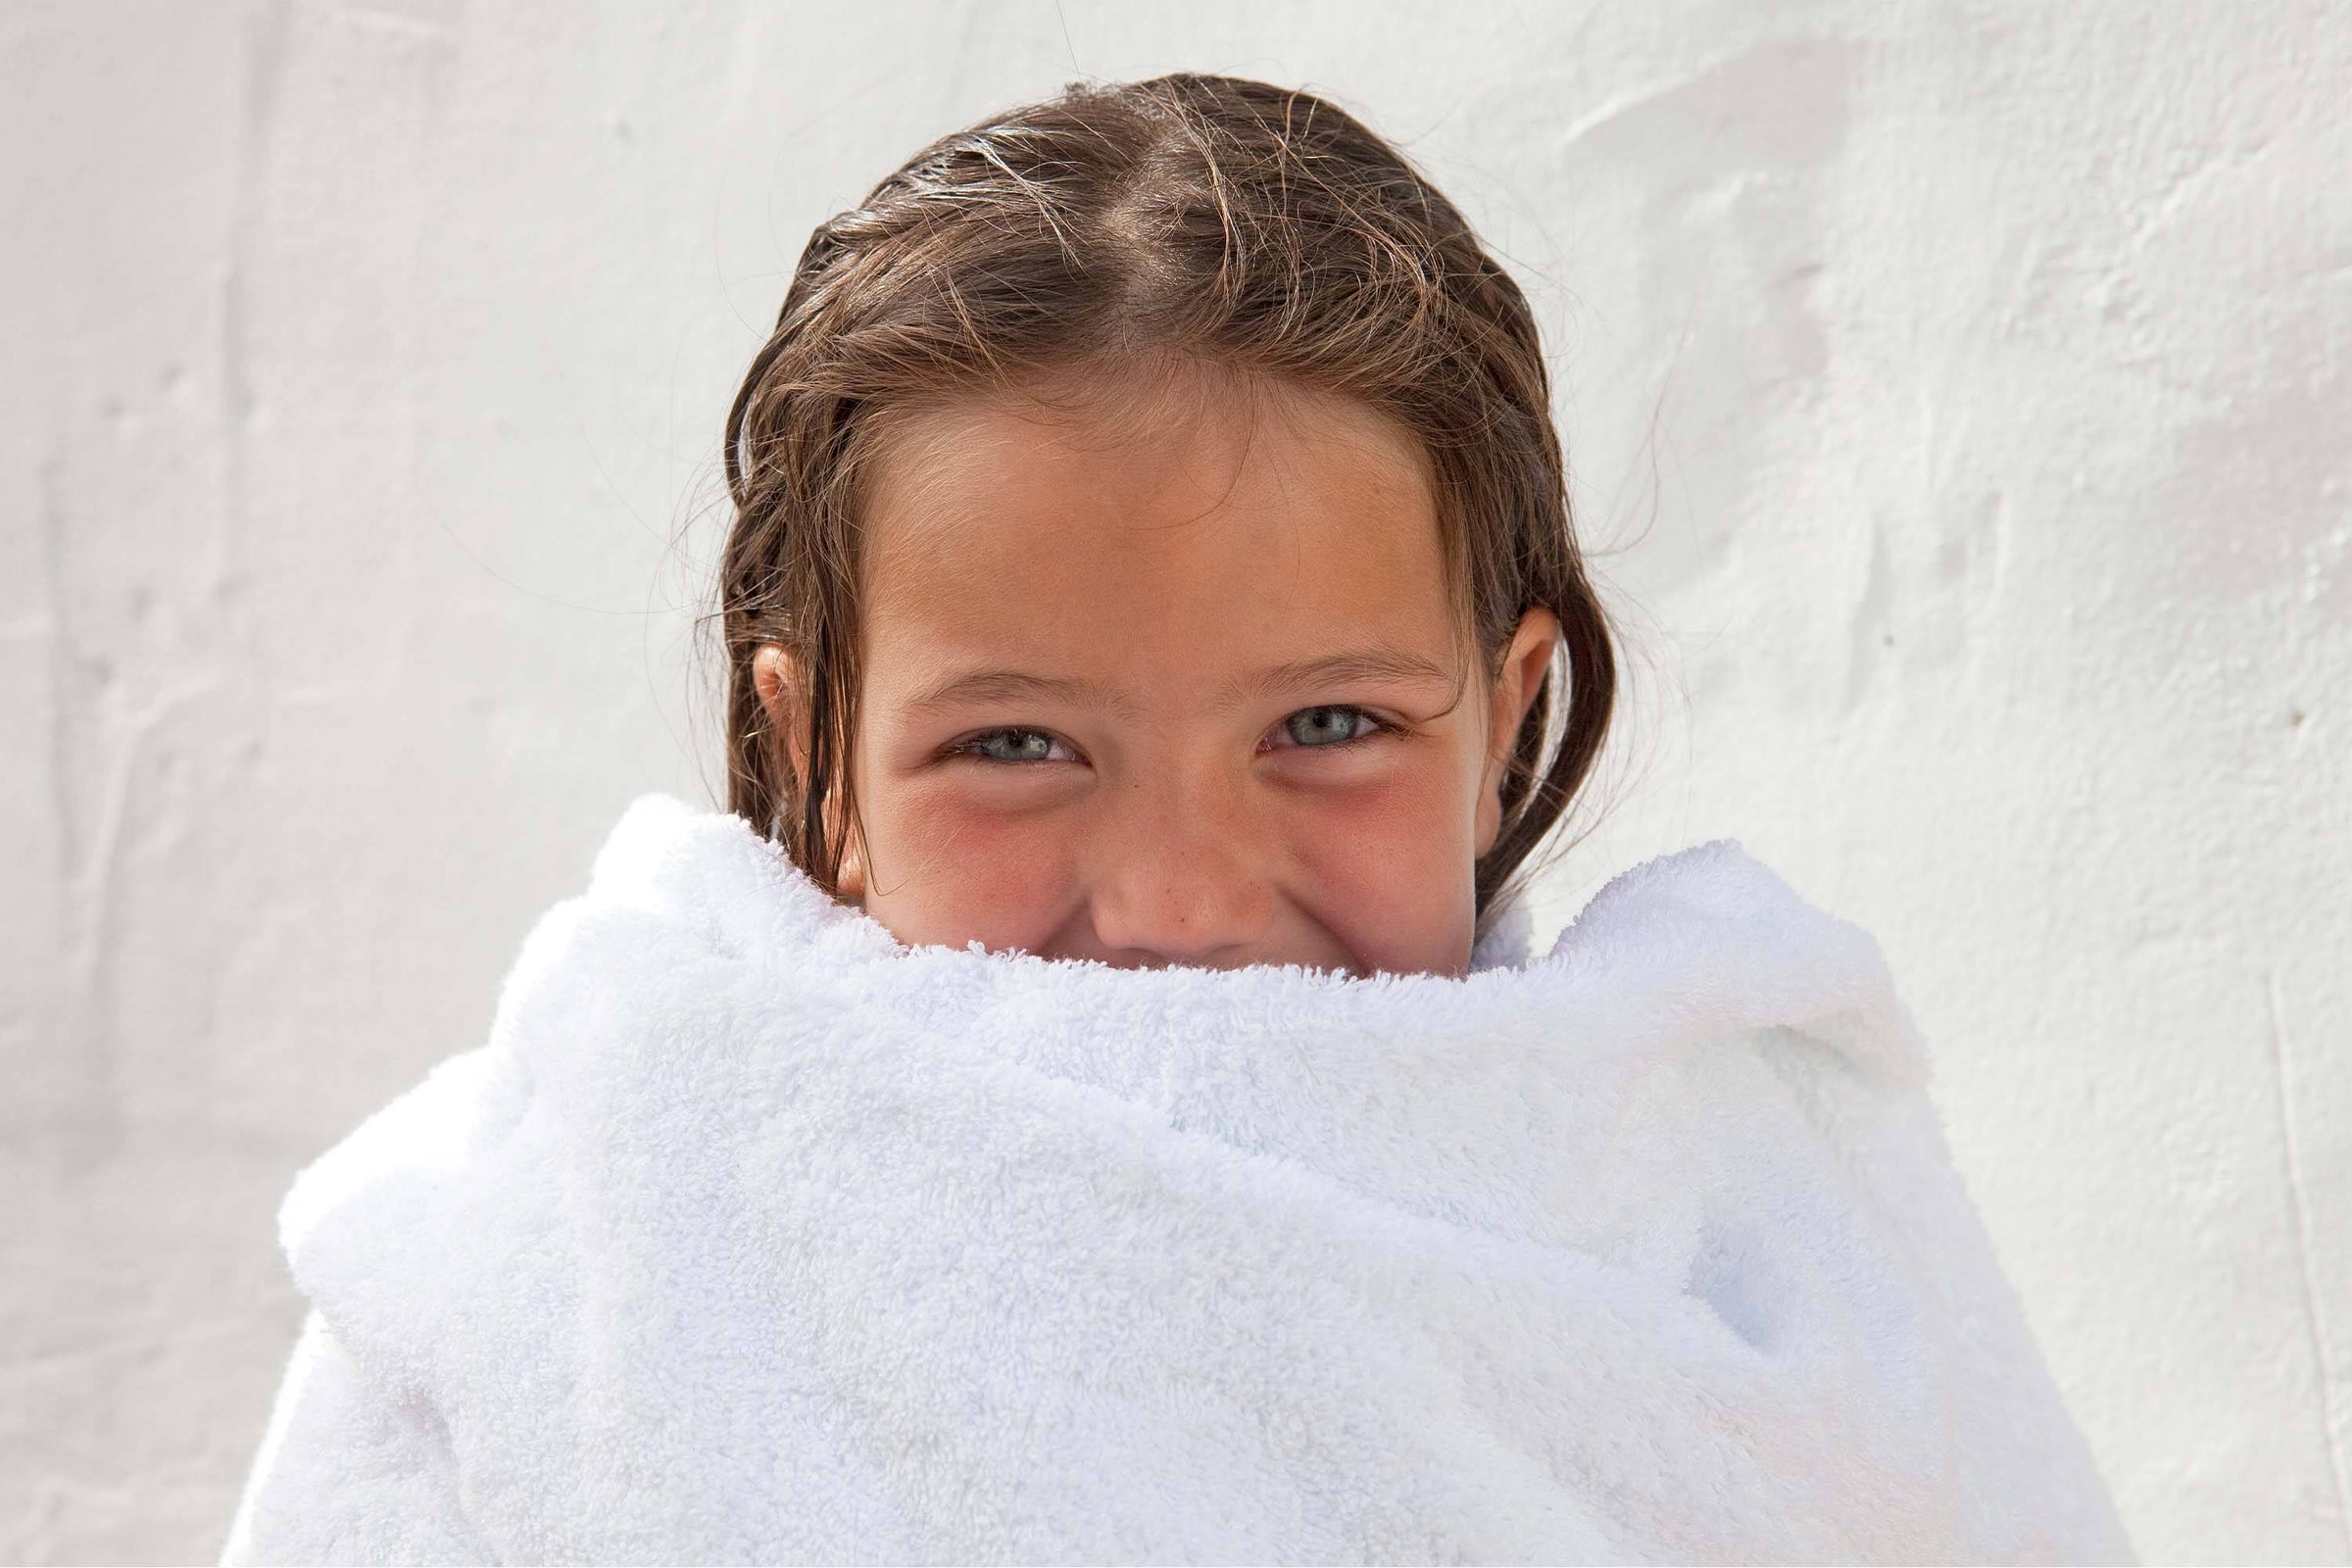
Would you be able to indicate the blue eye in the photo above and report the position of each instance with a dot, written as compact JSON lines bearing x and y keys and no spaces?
{"x":1333,"y":725}
{"x":1012,"y":746}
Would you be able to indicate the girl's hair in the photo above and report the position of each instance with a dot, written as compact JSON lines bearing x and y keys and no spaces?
{"x":1193,"y":217}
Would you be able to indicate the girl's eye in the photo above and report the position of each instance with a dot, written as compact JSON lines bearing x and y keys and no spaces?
{"x":1017,"y":745}
{"x":1333,"y":725}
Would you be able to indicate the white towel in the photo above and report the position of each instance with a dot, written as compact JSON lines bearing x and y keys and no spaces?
{"x":753,"y":1235}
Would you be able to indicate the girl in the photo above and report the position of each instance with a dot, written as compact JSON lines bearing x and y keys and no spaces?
{"x":1091,"y":1098}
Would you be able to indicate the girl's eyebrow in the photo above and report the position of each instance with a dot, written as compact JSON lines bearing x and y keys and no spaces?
{"x":997,"y":685}
{"x":1379,"y":662}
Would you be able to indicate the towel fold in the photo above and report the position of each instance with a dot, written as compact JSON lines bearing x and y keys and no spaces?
{"x":753,"y":1235}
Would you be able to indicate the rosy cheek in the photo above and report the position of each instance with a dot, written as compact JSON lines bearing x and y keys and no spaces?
{"x":1386,"y":867}
{"x":954,"y":865}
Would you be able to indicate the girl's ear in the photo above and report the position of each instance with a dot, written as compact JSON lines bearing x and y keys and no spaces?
{"x":1525,"y":661}
{"x":776,"y":678}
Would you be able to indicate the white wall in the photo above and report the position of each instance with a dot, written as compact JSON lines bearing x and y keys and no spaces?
{"x":1962,"y":390}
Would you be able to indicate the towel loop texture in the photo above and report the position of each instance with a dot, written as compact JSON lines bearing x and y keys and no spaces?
{"x":753,"y":1235}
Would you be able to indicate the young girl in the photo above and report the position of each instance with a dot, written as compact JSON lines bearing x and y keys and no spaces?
{"x":1090,"y":1100}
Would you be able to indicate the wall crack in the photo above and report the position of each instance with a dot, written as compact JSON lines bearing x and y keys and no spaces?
{"x":2314,"y":1319}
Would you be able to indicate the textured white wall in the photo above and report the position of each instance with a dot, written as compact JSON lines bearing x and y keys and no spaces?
{"x":1960,"y":392}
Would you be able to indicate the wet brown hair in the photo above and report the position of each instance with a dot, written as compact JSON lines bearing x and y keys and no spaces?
{"x":1226,"y":222}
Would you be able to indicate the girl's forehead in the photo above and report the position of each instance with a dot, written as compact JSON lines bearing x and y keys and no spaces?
{"x":1266,"y":521}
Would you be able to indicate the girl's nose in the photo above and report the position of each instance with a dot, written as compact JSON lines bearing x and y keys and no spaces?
{"x":1178,"y":879}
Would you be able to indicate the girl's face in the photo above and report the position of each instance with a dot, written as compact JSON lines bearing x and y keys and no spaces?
{"x":1168,"y":674}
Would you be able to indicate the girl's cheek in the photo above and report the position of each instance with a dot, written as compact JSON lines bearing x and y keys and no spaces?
{"x":965,"y":860}
{"x":1386,"y":867}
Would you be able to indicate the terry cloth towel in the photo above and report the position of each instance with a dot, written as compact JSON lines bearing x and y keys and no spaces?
{"x":753,"y":1235}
